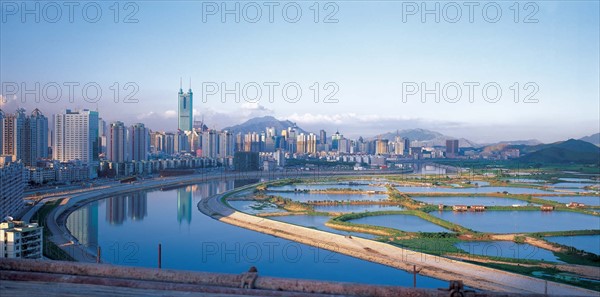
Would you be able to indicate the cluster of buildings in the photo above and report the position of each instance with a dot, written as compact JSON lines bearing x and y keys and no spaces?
{"x":75,"y":146}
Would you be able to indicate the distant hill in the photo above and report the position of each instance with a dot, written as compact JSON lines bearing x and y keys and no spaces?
{"x":260,"y":124}
{"x":593,"y":139}
{"x":425,"y":137}
{"x":524,"y":146}
{"x":572,"y":150}
{"x":518,"y":142}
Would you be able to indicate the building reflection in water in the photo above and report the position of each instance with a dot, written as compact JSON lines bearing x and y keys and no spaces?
{"x":134,"y":205}
{"x":184,"y":205}
{"x":83,"y":225}
{"x":138,"y":206}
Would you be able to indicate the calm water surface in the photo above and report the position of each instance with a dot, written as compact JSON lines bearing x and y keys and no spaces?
{"x":588,"y":243}
{"x":356,"y":208}
{"x":507,"y":249}
{"x":303,"y":197}
{"x":511,"y":190}
{"x":587,"y":200}
{"x":129,"y":229}
{"x":487,"y":201}
{"x":521,"y":221}
{"x":408,"y":223}
{"x":317,"y":222}
{"x":254,"y":207}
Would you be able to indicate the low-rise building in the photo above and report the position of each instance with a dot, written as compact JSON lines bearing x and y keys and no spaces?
{"x":21,"y":240}
{"x":547,"y":208}
{"x":459,"y":208}
{"x":575,"y":205}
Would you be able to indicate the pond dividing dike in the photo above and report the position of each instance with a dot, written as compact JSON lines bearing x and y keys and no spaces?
{"x":434,"y":266}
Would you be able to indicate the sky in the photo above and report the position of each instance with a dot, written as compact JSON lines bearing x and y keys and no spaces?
{"x":372,"y":61}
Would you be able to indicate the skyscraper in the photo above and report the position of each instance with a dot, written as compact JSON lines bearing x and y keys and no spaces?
{"x":406,"y":146}
{"x":335,"y":138}
{"x":322,"y":137}
{"x":2,"y":117}
{"x":185,"y":109}
{"x":226,"y":144}
{"x":37,"y":130}
{"x":102,"y":136}
{"x":209,"y":144}
{"x":76,"y":136}
{"x":139,"y":142}
{"x":14,"y":135}
{"x":117,"y":143}
{"x":451,"y":148}
{"x":24,"y":137}
{"x":381,"y":146}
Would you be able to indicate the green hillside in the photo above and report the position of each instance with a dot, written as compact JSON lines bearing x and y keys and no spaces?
{"x":570,"y":151}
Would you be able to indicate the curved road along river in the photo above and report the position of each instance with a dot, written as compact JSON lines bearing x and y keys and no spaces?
{"x":434,"y":266}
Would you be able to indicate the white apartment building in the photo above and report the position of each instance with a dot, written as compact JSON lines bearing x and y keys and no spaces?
{"x":21,"y":240}
{"x":76,"y":136}
{"x":11,"y":186}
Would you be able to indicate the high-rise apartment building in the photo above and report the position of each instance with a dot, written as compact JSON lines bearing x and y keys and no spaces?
{"x":139,"y":142}
{"x":24,"y":137}
{"x":117,"y":143}
{"x":381,"y":147}
{"x":210,"y":144}
{"x":76,"y":136}
{"x":226,"y":145}
{"x":451,"y":148}
{"x":11,"y":186}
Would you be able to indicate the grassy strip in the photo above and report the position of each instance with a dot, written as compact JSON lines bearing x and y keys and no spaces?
{"x":443,"y":223}
{"x":362,"y":228}
{"x":551,"y":274}
{"x":564,"y":233}
{"x":433,"y":246}
{"x":446,"y":224}
{"x":51,"y":250}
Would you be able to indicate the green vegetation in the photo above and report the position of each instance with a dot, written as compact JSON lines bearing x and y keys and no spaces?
{"x":570,"y":151}
{"x":564,"y":233}
{"x":443,"y":243}
{"x":519,"y":239}
{"x":51,"y":250}
{"x":579,"y":257}
{"x":547,"y":273}
{"x":290,"y":205}
{"x":433,"y":245}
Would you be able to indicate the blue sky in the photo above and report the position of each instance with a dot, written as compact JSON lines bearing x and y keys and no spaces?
{"x":369,"y":53}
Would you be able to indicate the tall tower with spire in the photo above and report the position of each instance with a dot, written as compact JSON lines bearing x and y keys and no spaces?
{"x":185,"y":108}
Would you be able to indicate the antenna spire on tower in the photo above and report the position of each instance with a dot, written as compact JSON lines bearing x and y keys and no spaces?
{"x":180,"y":82}
{"x":190,"y":83}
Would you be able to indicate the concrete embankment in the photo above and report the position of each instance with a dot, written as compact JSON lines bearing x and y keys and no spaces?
{"x":52,"y":278}
{"x":434,"y":266}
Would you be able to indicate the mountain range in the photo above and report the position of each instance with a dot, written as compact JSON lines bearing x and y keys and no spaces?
{"x":423,"y":137}
{"x":260,"y":124}
{"x":569,"y":151}
{"x":593,"y":139}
